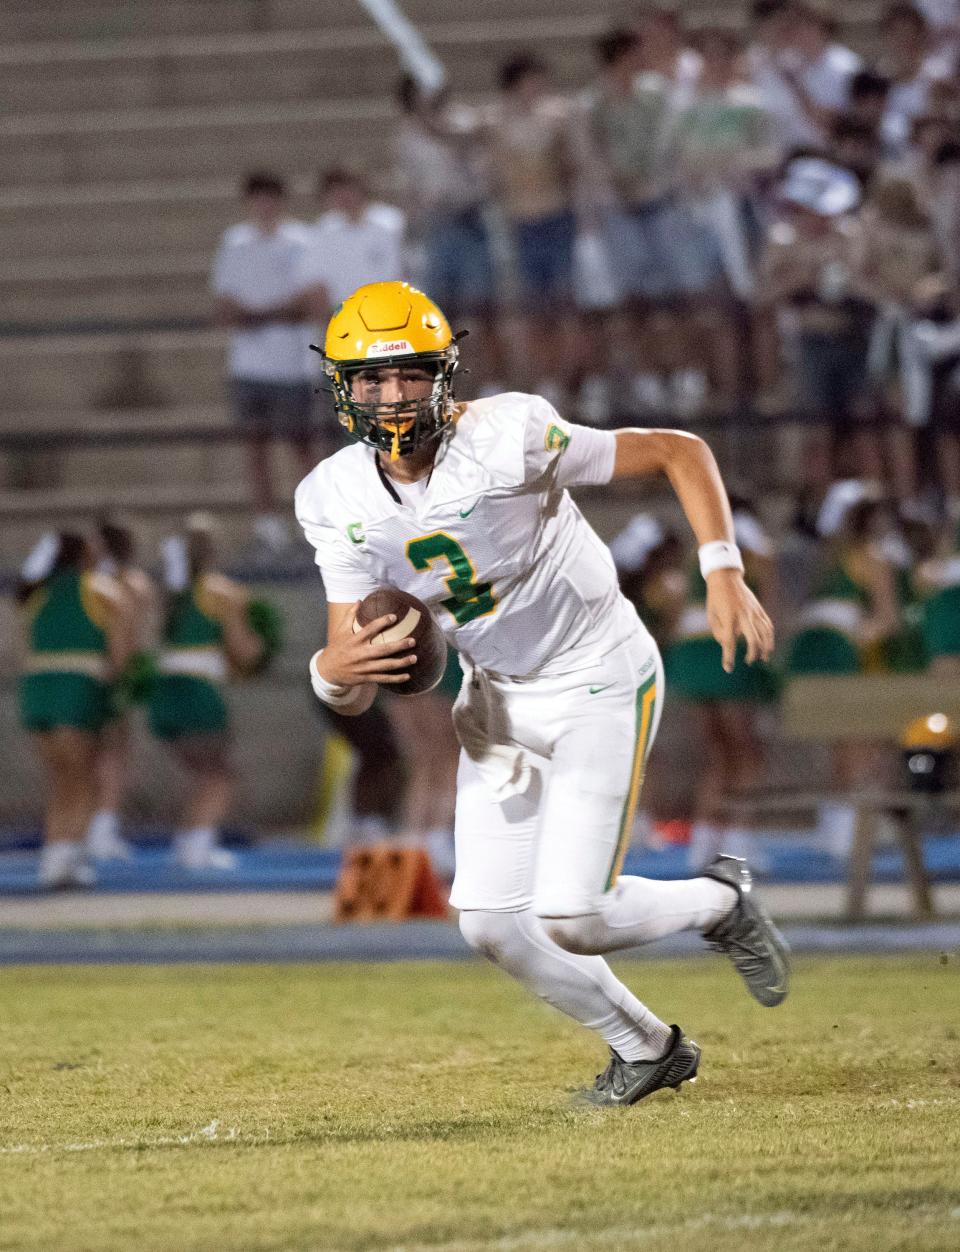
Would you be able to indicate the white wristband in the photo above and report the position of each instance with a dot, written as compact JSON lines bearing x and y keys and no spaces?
{"x":334,"y":696}
{"x":719,"y":554}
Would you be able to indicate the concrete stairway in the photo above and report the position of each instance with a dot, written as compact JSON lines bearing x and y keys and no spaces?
{"x":124,"y":128}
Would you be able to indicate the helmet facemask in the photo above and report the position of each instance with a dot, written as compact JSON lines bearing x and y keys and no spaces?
{"x":396,"y":427}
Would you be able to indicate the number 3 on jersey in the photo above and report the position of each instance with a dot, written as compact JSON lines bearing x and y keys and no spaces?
{"x":468,"y":598}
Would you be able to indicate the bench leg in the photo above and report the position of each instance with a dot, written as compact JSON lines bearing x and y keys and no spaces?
{"x":908,"y":833}
{"x":860,"y":864}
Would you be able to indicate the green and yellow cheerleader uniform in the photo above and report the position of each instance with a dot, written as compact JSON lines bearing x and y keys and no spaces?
{"x":66,"y":673}
{"x":938,"y":586}
{"x":829,"y":638}
{"x":693,"y":661}
{"x":186,"y":696}
{"x":905,"y":652}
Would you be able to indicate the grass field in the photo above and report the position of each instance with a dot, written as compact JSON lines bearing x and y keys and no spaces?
{"x":428,"y":1106}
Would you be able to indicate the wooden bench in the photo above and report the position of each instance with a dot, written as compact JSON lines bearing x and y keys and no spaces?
{"x":864,"y":707}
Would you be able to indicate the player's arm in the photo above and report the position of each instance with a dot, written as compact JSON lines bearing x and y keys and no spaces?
{"x":345,"y":674}
{"x":732,"y":608}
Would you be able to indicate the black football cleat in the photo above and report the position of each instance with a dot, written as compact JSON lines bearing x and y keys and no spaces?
{"x":748,"y":937}
{"x":626,"y":1082}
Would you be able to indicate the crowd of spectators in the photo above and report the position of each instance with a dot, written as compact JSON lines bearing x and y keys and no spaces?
{"x":731,"y":223}
{"x":723,"y":222}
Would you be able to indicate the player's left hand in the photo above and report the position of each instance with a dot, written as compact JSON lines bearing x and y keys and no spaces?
{"x":734,"y":612}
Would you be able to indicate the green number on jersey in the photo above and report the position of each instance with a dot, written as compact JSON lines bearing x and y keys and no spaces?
{"x":468,"y":598}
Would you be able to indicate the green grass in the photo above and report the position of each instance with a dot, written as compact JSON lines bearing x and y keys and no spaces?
{"x":427,"y":1106}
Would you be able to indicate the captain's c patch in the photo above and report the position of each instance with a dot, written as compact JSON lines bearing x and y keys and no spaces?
{"x":556,"y":438}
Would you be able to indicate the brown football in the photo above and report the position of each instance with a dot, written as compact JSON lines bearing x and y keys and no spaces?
{"x":414,"y":621}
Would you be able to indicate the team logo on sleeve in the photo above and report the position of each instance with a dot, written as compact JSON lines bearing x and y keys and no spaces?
{"x":556,"y":438}
{"x":355,"y":533}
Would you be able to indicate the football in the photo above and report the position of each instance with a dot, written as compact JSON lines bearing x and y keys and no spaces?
{"x":414,"y":621}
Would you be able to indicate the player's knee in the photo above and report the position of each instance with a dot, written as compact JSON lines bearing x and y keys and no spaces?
{"x":487,"y":932}
{"x":584,"y":935}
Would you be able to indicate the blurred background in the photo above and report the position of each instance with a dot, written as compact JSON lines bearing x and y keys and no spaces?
{"x":738,"y":218}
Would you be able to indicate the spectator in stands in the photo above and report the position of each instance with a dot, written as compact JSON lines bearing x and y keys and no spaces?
{"x":724,"y":703}
{"x":943,"y":19}
{"x":943,"y":197}
{"x":79,"y":638}
{"x":776,"y":68}
{"x":723,"y":150}
{"x":256,"y":287}
{"x":206,"y":636}
{"x":649,"y":234}
{"x":898,"y":262}
{"x":442,"y":181}
{"x":867,"y":98}
{"x":807,"y":281}
{"x":913,"y":68}
{"x":936,"y":341}
{"x":856,"y":145}
{"x":535,"y":168}
{"x":354,"y":241}
{"x":666,"y":52}
{"x":118,"y":560}
{"x":821,"y":68}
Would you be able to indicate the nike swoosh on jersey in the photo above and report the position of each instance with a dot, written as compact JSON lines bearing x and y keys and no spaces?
{"x":467,"y":512}
{"x":595,"y":690}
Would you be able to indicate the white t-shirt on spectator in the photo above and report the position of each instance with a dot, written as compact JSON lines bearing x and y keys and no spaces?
{"x":438,"y":174}
{"x":260,"y":271}
{"x":910,"y":100}
{"x":344,"y":254}
{"x":791,"y":126}
{"x":827,"y":80}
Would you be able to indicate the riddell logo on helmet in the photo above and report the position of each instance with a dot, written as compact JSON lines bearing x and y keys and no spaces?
{"x":387,"y":347}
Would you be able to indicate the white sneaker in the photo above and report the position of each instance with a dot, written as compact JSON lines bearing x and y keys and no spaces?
{"x":649,"y":395}
{"x":62,"y":866}
{"x":271,"y":531}
{"x":198,"y":850}
{"x":688,"y":392}
{"x":593,"y":401}
{"x":107,"y":846}
{"x":212,"y":858}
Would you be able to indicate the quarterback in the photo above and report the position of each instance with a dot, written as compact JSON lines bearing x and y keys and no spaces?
{"x":466,"y":506}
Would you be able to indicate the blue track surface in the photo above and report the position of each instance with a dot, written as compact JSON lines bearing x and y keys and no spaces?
{"x":406,"y":941}
{"x":287,"y":866}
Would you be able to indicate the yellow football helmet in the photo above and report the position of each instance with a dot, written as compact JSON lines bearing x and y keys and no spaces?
{"x":390,"y":324}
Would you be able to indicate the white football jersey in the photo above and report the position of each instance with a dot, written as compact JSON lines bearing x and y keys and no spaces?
{"x":516,"y":577}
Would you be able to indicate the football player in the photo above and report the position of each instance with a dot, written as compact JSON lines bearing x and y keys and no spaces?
{"x":467,"y":507}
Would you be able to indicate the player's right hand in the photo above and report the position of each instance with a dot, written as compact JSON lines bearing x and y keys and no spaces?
{"x":351,"y":658}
